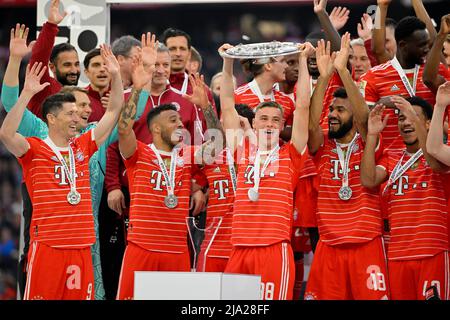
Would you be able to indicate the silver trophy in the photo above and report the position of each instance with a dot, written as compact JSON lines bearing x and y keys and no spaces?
{"x":261,"y":50}
{"x":202,"y":239}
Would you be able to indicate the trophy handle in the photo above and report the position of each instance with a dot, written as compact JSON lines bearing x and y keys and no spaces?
{"x":209,"y":234}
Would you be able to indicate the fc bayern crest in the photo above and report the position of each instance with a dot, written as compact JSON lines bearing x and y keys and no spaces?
{"x":79,"y":156}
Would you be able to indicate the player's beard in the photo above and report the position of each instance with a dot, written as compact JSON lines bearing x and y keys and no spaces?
{"x":411,"y":143}
{"x":62,"y":78}
{"x":342,"y":131}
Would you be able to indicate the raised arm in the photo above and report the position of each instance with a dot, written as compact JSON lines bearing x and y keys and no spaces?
{"x":15,"y":142}
{"x":371,"y":174}
{"x":230,"y":117}
{"x":109,"y":119}
{"x":301,"y":113}
{"x":215,"y":133}
{"x":435,"y":144}
{"x":360,"y":108}
{"x":320,"y":9}
{"x":422,"y":14}
{"x":431,"y":76}
{"x":379,"y":32}
{"x":30,"y":125}
{"x":42,"y":51}
{"x":18,"y":49}
{"x":326,"y":70}
{"x":141,"y":76}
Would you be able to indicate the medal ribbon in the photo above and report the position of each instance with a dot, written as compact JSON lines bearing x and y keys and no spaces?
{"x":411,"y":90}
{"x":69,"y":170}
{"x":400,"y":169}
{"x":257,"y":165}
{"x":231,"y":169}
{"x":345,"y":161}
{"x":169,"y":177}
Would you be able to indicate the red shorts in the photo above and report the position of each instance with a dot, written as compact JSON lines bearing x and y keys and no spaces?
{"x":305,"y":201}
{"x":59,"y":274}
{"x":409,"y":279}
{"x":215,"y":264}
{"x":136,"y":258}
{"x":300,"y":241}
{"x":348,"y":272}
{"x":275,"y":264}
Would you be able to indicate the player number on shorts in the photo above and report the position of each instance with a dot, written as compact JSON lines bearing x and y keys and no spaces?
{"x":376,"y":280}
{"x":435,"y":283}
{"x":267,"y":290}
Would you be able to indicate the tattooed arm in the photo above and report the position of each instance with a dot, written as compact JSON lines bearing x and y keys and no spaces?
{"x":141,"y":75}
{"x":127,"y":138}
{"x":214,"y":136}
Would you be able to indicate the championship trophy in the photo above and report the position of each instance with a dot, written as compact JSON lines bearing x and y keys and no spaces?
{"x":261,"y":50}
{"x":202,"y":240}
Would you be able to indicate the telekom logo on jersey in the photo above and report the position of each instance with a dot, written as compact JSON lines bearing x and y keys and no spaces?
{"x":61,"y":176}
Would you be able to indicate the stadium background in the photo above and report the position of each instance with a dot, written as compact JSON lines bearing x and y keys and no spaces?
{"x":209,"y":25}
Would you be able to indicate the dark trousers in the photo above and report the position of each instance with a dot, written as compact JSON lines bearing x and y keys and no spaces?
{"x":112,"y":233}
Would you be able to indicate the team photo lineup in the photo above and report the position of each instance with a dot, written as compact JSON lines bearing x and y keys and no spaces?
{"x":327,"y":173}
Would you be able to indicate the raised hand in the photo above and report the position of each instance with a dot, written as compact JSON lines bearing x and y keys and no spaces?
{"x":376,"y":123}
{"x":18,"y":47}
{"x":320,"y":6}
{"x":54,"y":16}
{"x":365,"y":27}
{"x":199,"y":95}
{"x":325,"y":61}
{"x":445,"y":24}
{"x":33,"y":78}
{"x":111,"y":63}
{"x":224,"y":48}
{"x":443,"y":95}
{"x":405,"y":107}
{"x":139,"y":74}
{"x":149,"y":50}
{"x":306,"y":50}
{"x":339,"y":17}
{"x":340,"y":63}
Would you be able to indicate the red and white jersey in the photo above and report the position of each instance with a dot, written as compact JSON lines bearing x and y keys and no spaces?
{"x":152,"y":225}
{"x":246,"y":94}
{"x":356,"y":220}
{"x":220,"y":204}
{"x":55,"y":221}
{"x":417,"y":208}
{"x":384,"y":81}
{"x":268,"y":220}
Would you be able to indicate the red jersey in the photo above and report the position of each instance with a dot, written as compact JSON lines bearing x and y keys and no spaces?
{"x":55,"y":221}
{"x":220,"y":204}
{"x":152,"y":225}
{"x":384,"y":81}
{"x":417,"y":208}
{"x":247,"y":94}
{"x":356,"y":220}
{"x":268,"y":220}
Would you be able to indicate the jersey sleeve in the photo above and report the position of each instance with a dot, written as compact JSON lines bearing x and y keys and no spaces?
{"x":87,"y":143}
{"x":27,"y":157}
{"x":368,"y":88}
{"x":297,"y":161}
{"x":131,"y":161}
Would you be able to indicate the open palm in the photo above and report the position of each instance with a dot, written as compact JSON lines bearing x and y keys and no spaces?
{"x":33,"y":78}
{"x":376,"y":123}
{"x":18,"y":44}
{"x":323,"y":58}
